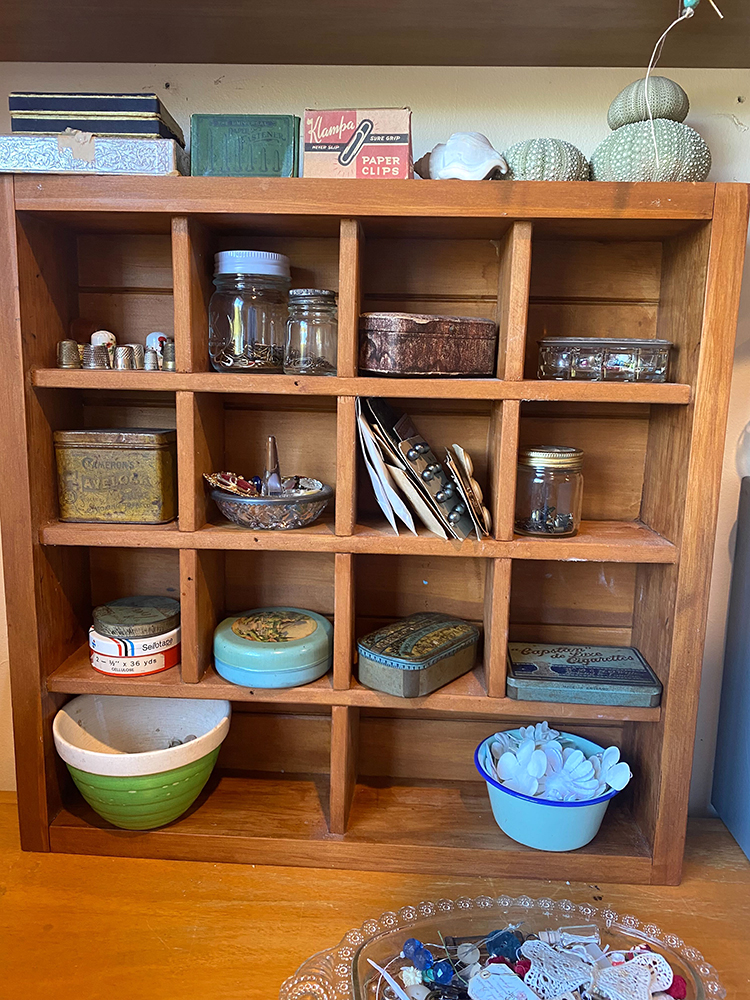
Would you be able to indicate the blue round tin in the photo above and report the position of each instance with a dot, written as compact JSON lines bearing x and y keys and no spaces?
{"x":273,"y":647}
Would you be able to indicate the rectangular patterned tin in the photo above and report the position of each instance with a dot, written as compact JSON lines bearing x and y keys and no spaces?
{"x":67,"y":154}
{"x":581,"y":675}
{"x":416,"y":655}
{"x":122,"y":475}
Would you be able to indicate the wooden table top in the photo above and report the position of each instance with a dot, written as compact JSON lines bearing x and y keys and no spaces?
{"x":85,"y":928}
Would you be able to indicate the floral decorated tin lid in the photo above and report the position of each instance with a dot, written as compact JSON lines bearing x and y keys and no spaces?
{"x":273,"y":639}
{"x":418,"y":641}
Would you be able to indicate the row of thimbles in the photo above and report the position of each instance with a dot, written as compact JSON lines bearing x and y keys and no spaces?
{"x":125,"y":357}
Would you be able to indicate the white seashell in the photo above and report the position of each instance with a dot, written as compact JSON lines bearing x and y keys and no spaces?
{"x":466,"y":156}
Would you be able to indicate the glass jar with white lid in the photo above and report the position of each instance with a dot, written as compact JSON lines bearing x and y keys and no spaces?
{"x":248,"y":311}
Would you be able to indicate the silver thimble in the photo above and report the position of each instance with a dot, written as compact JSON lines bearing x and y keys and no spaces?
{"x":124,"y":357}
{"x":138,"y":354}
{"x":67,"y":354}
{"x":151,"y":360}
{"x":96,"y":356}
{"x":168,"y":361}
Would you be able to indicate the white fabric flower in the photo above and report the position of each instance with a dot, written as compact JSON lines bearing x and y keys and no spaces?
{"x":570,"y":778}
{"x":522,"y":770}
{"x":539,"y":733}
{"x":502,"y":743}
{"x":610,"y":771}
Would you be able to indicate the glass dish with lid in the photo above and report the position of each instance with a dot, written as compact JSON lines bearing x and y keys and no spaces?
{"x":248,"y":311}
{"x":604,"y":359}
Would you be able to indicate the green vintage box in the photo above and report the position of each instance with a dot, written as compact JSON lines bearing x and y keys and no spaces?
{"x":244,"y":146}
{"x":581,"y":675}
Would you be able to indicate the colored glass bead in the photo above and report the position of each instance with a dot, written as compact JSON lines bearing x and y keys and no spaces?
{"x":678,"y":989}
{"x":423,"y":959}
{"x":411,"y":945}
{"x":442,"y":972}
{"x":690,"y":3}
{"x":504,"y":943}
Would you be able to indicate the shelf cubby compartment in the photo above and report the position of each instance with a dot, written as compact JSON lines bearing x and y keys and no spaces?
{"x":333,"y":773}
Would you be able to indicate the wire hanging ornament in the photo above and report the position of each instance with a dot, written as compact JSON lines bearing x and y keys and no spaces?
{"x":686,"y":9}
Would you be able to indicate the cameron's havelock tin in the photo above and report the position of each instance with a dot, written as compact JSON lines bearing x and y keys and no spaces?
{"x":418,"y":654}
{"x":121,"y":475}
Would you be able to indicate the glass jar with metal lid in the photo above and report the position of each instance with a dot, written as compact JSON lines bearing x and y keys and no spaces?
{"x":311,"y":332}
{"x":248,"y":311}
{"x":549,"y":491}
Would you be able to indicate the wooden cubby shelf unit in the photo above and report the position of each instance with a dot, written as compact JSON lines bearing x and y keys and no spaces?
{"x":332,"y":773}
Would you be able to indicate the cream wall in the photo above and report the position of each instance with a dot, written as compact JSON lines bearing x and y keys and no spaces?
{"x":508,"y":105}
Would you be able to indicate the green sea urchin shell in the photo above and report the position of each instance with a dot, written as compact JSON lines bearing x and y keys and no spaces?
{"x":668,"y":100}
{"x":627,"y":154}
{"x":546,"y":160}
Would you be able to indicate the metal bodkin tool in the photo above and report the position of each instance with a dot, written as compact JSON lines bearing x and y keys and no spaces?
{"x":271,"y":475}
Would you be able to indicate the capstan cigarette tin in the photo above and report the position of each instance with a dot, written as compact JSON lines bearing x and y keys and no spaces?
{"x":137,"y":618}
{"x":418,"y":654}
{"x":358,"y":142}
{"x":581,"y":675}
{"x":121,"y":475}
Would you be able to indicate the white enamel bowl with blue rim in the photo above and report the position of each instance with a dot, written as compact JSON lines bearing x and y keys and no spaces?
{"x":542,"y":823}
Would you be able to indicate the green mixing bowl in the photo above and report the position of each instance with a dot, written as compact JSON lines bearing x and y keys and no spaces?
{"x":140,"y":762}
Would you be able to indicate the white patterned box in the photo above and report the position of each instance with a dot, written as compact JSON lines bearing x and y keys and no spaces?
{"x":79,"y":153}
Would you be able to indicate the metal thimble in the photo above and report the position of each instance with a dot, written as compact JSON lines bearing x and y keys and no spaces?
{"x":168,"y":356}
{"x":67,"y":354}
{"x":124,"y":357}
{"x":96,"y":356}
{"x":138,"y":354}
{"x":151,"y":360}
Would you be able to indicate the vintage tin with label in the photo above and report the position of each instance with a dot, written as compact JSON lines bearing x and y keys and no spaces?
{"x":137,"y":618}
{"x":581,"y":675}
{"x":418,"y":654}
{"x":124,"y":475}
{"x":273,"y":647}
{"x":392,"y":343}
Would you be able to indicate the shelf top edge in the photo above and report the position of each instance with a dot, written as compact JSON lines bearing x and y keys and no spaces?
{"x":359,"y":198}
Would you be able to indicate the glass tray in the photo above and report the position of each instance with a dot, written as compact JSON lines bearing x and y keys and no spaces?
{"x":343,"y":972}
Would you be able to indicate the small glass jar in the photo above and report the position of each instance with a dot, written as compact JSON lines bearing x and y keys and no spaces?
{"x":248,"y":311}
{"x":549,"y":491}
{"x":311,"y":332}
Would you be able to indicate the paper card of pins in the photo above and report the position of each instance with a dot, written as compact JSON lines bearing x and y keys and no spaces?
{"x":104,"y":352}
{"x":408,"y":479}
